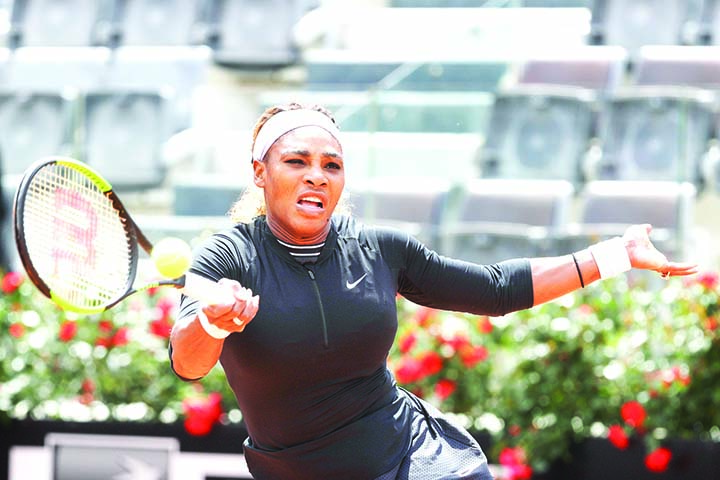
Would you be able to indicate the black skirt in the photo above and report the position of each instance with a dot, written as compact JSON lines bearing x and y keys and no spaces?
{"x":440,"y":449}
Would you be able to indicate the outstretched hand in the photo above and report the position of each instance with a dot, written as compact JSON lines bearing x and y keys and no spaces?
{"x":644,"y":255}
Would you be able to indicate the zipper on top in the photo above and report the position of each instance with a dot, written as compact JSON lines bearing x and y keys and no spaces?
{"x":311,"y":274}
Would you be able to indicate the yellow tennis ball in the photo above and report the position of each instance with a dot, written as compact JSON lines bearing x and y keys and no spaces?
{"x":172,"y":257}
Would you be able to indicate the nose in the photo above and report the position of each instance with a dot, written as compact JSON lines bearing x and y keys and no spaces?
{"x":316,"y":177}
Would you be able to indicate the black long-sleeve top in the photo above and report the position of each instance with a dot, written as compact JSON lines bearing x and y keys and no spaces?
{"x":309,"y":372}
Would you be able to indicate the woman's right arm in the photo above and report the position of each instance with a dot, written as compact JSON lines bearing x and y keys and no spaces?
{"x":197,"y":338}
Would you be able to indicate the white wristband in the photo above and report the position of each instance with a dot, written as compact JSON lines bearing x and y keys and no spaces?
{"x":611,"y":257}
{"x":210,"y":329}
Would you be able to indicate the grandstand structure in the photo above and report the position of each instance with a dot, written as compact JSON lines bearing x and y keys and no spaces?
{"x":490,"y":129}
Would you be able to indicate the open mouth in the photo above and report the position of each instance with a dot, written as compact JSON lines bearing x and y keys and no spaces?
{"x":311,"y":201}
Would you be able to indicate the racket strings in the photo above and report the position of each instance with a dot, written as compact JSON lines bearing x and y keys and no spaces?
{"x":76,"y":238}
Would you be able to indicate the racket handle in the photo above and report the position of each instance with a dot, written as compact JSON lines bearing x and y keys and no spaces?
{"x":207,"y":291}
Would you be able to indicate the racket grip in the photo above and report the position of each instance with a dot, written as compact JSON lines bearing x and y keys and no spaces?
{"x":207,"y":291}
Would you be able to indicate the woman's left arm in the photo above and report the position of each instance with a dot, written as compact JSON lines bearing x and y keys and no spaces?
{"x":553,"y":277}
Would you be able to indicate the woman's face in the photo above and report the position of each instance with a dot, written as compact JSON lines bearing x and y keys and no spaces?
{"x":302,"y":177}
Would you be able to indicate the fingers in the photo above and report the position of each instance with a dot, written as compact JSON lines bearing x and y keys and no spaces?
{"x":248,"y":313}
{"x":236,"y":316}
{"x":677,"y":269}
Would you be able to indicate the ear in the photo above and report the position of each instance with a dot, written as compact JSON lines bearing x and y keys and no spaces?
{"x":259,"y":173}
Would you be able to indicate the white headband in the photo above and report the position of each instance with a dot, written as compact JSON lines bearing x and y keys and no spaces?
{"x":286,"y":121}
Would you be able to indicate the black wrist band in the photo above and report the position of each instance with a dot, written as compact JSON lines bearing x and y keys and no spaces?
{"x":577,"y":267}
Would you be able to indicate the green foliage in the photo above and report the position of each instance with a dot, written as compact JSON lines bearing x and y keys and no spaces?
{"x":111,"y":366}
{"x":536,"y":380}
{"x":560,"y":372}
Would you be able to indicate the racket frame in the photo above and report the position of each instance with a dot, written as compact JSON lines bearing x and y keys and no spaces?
{"x":132,"y":231}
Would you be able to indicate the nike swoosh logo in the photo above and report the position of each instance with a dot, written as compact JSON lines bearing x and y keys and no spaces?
{"x":354,"y":284}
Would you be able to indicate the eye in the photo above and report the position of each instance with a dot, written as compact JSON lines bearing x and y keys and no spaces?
{"x":333,"y":166}
{"x":295,"y":161}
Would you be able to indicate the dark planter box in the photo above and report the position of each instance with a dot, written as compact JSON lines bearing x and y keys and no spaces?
{"x":592,"y":459}
{"x":598,"y":459}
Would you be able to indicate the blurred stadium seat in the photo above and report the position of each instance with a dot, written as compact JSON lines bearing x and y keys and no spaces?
{"x":596,"y":67}
{"x":656,"y":133}
{"x":238,"y":31}
{"x":399,"y":156}
{"x":417,"y":35}
{"x":397,"y":111}
{"x":122,"y":135}
{"x":158,"y":22}
{"x":58,"y":23}
{"x":436,"y":3}
{"x":415,"y":206}
{"x":707,"y":28}
{"x":632,"y":24}
{"x":433,"y":112}
{"x":538,"y":132}
{"x":556,"y":3}
{"x":484,"y":3}
{"x":55,"y":68}
{"x":690,"y":65}
{"x":347,"y":72}
{"x":34,"y":124}
{"x":204,"y":195}
{"x":179,"y":70}
{"x":489,"y":220}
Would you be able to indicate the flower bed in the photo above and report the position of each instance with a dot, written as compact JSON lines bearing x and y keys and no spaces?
{"x":622,"y":361}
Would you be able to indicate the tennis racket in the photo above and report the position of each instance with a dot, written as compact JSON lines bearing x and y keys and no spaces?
{"x":79,"y":245}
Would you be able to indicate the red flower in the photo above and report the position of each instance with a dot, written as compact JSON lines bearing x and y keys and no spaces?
{"x":485,"y":325}
{"x":679,"y":376}
{"x":109,"y":338}
{"x":121,"y":337}
{"x":514,"y":430}
{"x":707,"y":279}
{"x":618,"y":437}
{"x":471,"y":356}
{"x":431,"y":363}
{"x":424,"y":316}
{"x":11,"y":282}
{"x":68,"y":330}
{"x":513,"y":460}
{"x":633,"y":414}
{"x":585,"y":309}
{"x":518,"y":472}
{"x":17,"y":329}
{"x":658,"y":459}
{"x":161,"y":327}
{"x":407,"y":342}
{"x":512,"y":456}
{"x":711,"y":324}
{"x":105,"y":326}
{"x":444,"y":388}
{"x":86,"y":396}
{"x":408,"y":371}
{"x":88,"y":386}
{"x":202,"y":413}
{"x":457,"y":342}
{"x":166,"y":307}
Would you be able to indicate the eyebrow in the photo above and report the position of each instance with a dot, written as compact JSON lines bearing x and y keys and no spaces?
{"x":306,"y":153}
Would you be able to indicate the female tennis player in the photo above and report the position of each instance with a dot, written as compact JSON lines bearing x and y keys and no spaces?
{"x":304,"y":346}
